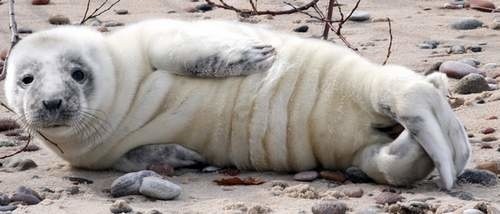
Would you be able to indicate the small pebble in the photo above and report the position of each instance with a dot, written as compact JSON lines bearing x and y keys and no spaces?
{"x":120,"y":206}
{"x":488,"y":130}
{"x":456,"y":49}
{"x":40,"y":2}
{"x":73,"y":190}
{"x":472,"y":211}
{"x":22,"y":164}
{"x":306,"y":176}
{"x":434,"y":67}
{"x":130,"y":183}
{"x":32,"y":147}
{"x":301,"y":29}
{"x":59,"y":20}
{"x":474,"y":176}
{"x":356,"y":175}
{"x":492,"y":118}
{"x":466,"y":24}
{"x":158,"y":188}
{"x":121,"y":11}
{"x":410,"y":207}
{"x":458,"y":70}
{"x":78,"y":180}
{"x":24,"y":30}
{"x":475,"y":48}
{"x":354,"y":193}
{"x":113,"y":24}
{"x":359,"y":16}
{"x":486,"y":146}
{"x":4,"y":199}
{"x":388,"y":198}
{"x":333,"y":175}
{"x":472,"y":83}
{"x":329,"y":207}
{"x":492,"y":166}
{"x":26,"y":196}
{"x":204,"y":7}
{"x":466,"y":196}
{"x":489,"y":138}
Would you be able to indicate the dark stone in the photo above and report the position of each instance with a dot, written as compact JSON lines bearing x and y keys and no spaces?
{"x":474,"y":176}
{"x":472,"y":83}
{"x":466,"y":24}
{"x":204,"y":7}
{"x":121,"y":12}
{"x":4,"y":199}
{"x":356,"y":175}
{"x":78,"y":180}
{"x":301,"y":29}
{"x":59,"y":20}
{"x":24,"y":30}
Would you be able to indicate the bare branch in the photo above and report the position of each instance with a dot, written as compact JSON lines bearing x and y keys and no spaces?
{"x":247,"y":12}
{"x":98,"y":11}
{"x":390,"y":42}
{"x":328,"y":17}
{"x":14,"y":36}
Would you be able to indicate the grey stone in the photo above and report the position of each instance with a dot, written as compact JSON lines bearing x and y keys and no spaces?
{"x":429,"y":44}
{"x":113,"y":24}
{"x":73,"y":190}
{"x":466,"y":24}
{"x":474,"y":176}
{"x":21,"y":164}
{"x":306,"y":176}
{"x":158,"y":188}
{"x":120,"y":206}
{"x":457,"y":49}
{"x":466,"y":196}
{"x":26,"y":196}
{"x":130,"y":183}
{"x":59,"y":20}
{"x":388,"y":198}
{"x":329,"y":207}
{"x":204,"y":7}
{"x":359,"y":16}
{"x":472,"y":83}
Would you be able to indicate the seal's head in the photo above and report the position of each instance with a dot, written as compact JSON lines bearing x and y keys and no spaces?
{"x":57,"y":80}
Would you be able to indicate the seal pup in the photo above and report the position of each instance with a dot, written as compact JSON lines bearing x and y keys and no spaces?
{"x":237,"y":95}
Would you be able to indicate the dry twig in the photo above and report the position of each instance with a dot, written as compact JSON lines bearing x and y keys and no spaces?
{"x":255,"y":12}
{"x":14,"y":36}
{"x":390,"y":42}
{"x":98,"y":11}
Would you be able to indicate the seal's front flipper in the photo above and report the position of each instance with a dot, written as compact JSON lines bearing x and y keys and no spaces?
{"x":143,"y":157}
{"x":210,"y":56}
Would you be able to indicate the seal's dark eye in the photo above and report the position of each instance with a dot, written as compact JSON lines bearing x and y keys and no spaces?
{"x":28,"y":79}
{"x":78,"y":75}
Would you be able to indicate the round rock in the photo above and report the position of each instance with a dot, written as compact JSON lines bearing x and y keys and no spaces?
{"x":359,"y":16}
{"x":388,"y":198}
{"x":457,"y":49}
{"x":306,"y":176}
{"x":458,"y":70}
{"x":472,"y":83}
{"x":130,"y":183}
{"x":121,"y":12}
{"x":333,"y":175}
{"x":466,"y":24}
{"x":329,"y":207}
{"x":4,"y":199}
{"x":26,"y":196}
{"x":59,"y":20}
{"x":158,"y":188}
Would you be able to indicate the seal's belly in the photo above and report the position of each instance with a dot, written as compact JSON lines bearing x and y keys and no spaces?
{"x":296,"y":116}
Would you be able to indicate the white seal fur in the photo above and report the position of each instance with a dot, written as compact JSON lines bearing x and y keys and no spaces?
{"x":313,"y":104}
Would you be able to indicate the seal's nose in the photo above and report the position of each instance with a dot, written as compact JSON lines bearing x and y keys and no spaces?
{"x":52,"y":105}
